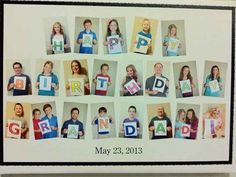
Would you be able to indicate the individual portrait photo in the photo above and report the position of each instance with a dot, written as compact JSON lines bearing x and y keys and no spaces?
{"x":173,"y":38}
{"x":104,"y":77}
{"x":213,"y":121}
{"x":144,"y":35}
{"x":45,"y":120}
{"x":18,"y":78}
{"x":214,"y":79}
{"x":17,"y":120}
{"x":157,"y":78}
{"x":131,"y":116}
{"x":46,"y":77}
{"x":57,"y":35}
{"x":103,"y":120}
{"x":74,"y":120}
{"x":76,"y":77}
{"x":185,"y":78}
{"x":114,"y":35}
{"x":187,"y":120}
{"x":160,"y":121}
{"x":131,"y":78}
{"x":86,"y":35}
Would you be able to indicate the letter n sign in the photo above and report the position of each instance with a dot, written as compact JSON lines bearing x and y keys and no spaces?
{"x":130,"y":129}
{"x":160,"y":128}
{"x":103,"y":124}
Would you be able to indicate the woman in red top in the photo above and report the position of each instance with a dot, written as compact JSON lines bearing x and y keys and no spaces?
{"x":36,"y":120}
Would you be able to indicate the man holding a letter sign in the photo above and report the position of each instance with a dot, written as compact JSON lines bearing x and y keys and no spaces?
{"x":75,"y":131}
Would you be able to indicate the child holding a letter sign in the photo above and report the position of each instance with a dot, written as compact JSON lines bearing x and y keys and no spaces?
{"x":87,"y":38}
{"x":36,"y":119}
{"x":47,"y":81}
{"x":113,"y":38}
{"x":185,"y":85}
{"x":157,"y":85}
{"x":131,"y":125}
{"x":20,"y":83}
{"x":192,"y":120}
{"x":131,"y":75}
{"x":17,"y":126}
{"x":65,"y":130}
{"x":180,"y":121}
{"x":160,"y":126}
{"x":58,"y":40}
{"x":213,"y":85}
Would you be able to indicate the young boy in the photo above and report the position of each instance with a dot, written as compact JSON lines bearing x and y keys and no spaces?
{"x":19,"y":88}
{"x":102,"y":114}
{"x":47,"y":108}
{"x":87,"y":31}
{"x":99,"y":90}
{"x":36,"y":119}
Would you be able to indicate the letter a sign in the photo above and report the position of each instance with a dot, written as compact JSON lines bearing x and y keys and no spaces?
{"x":160,"y":128}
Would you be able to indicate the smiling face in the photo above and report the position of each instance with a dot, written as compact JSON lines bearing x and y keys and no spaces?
{"x":18,"y":110}
{"x":158,"y":69}
{"x":146,"y":25}
{"x":173,"y":32}
{"x":102,"y":114}
{"x":104,"y":70}
{"x":87,"y":26}
{"x":185,"y":71}
{"x":37,"y":115}
{"x":47,"y":69}
{"x":48,"y":111}
{"x":17,"y":69}
{"x":57,"y":28}
{"x":160,"y":111}
{"x":215,"y":71}
{"x":113,"y":27}
{"x":130,"y":71}
{"x":182,"y":116}
{"x":132,"y":112}
{"x":75,"y":67}
{"x":75,"y":114}
{"x":190,"y":114}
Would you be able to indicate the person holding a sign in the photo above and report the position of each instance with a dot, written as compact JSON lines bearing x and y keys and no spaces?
{"x":157,"y":85}
{"x":20,"y":83}
{"x":146,"y":33}
{"x":77,"y":131}
{"x":171,"y":41}
{"x":18,"y":117}
{"x":213,"y":124}
{"x":47,"y":81}
{"x":192,"y":120}
{"x":180,"y":121}
{"x":131,"y":125}
{"x":131,"y":75}
{"x":87,"y":38}
{"x":102,"y":81}
{"x":58,"y":39}
{"x":185,"y":85}
{"x":36,"y":119}
{"x":103,"y":123}
{"x":213,"y":85}
{"x":52,"y":119}
{"x":160,"y":126}
{"x":114,"y":39}
{"x":79,"y":72}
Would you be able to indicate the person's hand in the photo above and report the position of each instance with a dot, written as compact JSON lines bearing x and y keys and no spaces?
{"x":66,"y":46}
{"x":151,"y":128}
{"x":180,"y":45}
{"x":149,"y":45}
{"x":106,"y":43}
{"x":206,"y":85}
{"x":108,"y":83}
{"x":154,"y":92}
{"x":165,"y":44}
{"x":53,"y":127}
{"x":67,"y":86}
{"x":120,"y":39}
{"x":11,"y":86}
{"x":50,"y":46}
{"x":80,"y":133}
{"x":95,"y":81}
{"x":177,"y":87}
{"x":135,"y":42}
{"x":65,"y":131}
{"x":125,"y":91}
{"x":80,"y":41}
{"x":94,"y":42}
{"x":122,"y":130}
{"x":36,"y":84}
{"x":167,"y":83}
{"x":169,"y":129}
{"x":54,"y":85}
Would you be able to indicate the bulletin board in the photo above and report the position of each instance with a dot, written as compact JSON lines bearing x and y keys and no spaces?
{"x":109,"y":86}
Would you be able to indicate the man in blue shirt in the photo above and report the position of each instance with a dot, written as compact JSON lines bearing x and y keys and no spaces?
{"x":87,"y":30}
{"x":47,"y":108}
{"x":73,"y":121}
{"x":12,"y":86}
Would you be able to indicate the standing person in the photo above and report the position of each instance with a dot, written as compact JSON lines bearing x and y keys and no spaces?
{"x":18,"y":89}
{"x":192,"y":120}
{"x":36,"y":119}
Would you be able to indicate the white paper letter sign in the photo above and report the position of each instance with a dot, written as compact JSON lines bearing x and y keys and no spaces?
{"x":101,"y":83}
{"x":45,"y":83}
{"x":210,"y":125}
{"x":103,"y":124}
{"x":114,"y":45}
{"x":73,"y":131}
{"x":130,"y":129}
{"x":185,"y":130}
{"x":159,"y":84}
{"x":160,"y":128}
{"x":142,"y":44}
{"x":76,"y":86}
{"x":58,"y":43}
{"x":185,"y":86}
{"x":87,"y":40}
{"x":173,"y":45}
{"x":19,"y":83}
{"x":44,"y":126}
{"x":14,"y":129}
{"x":214,"y":86}
{"x":132,"y":87}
